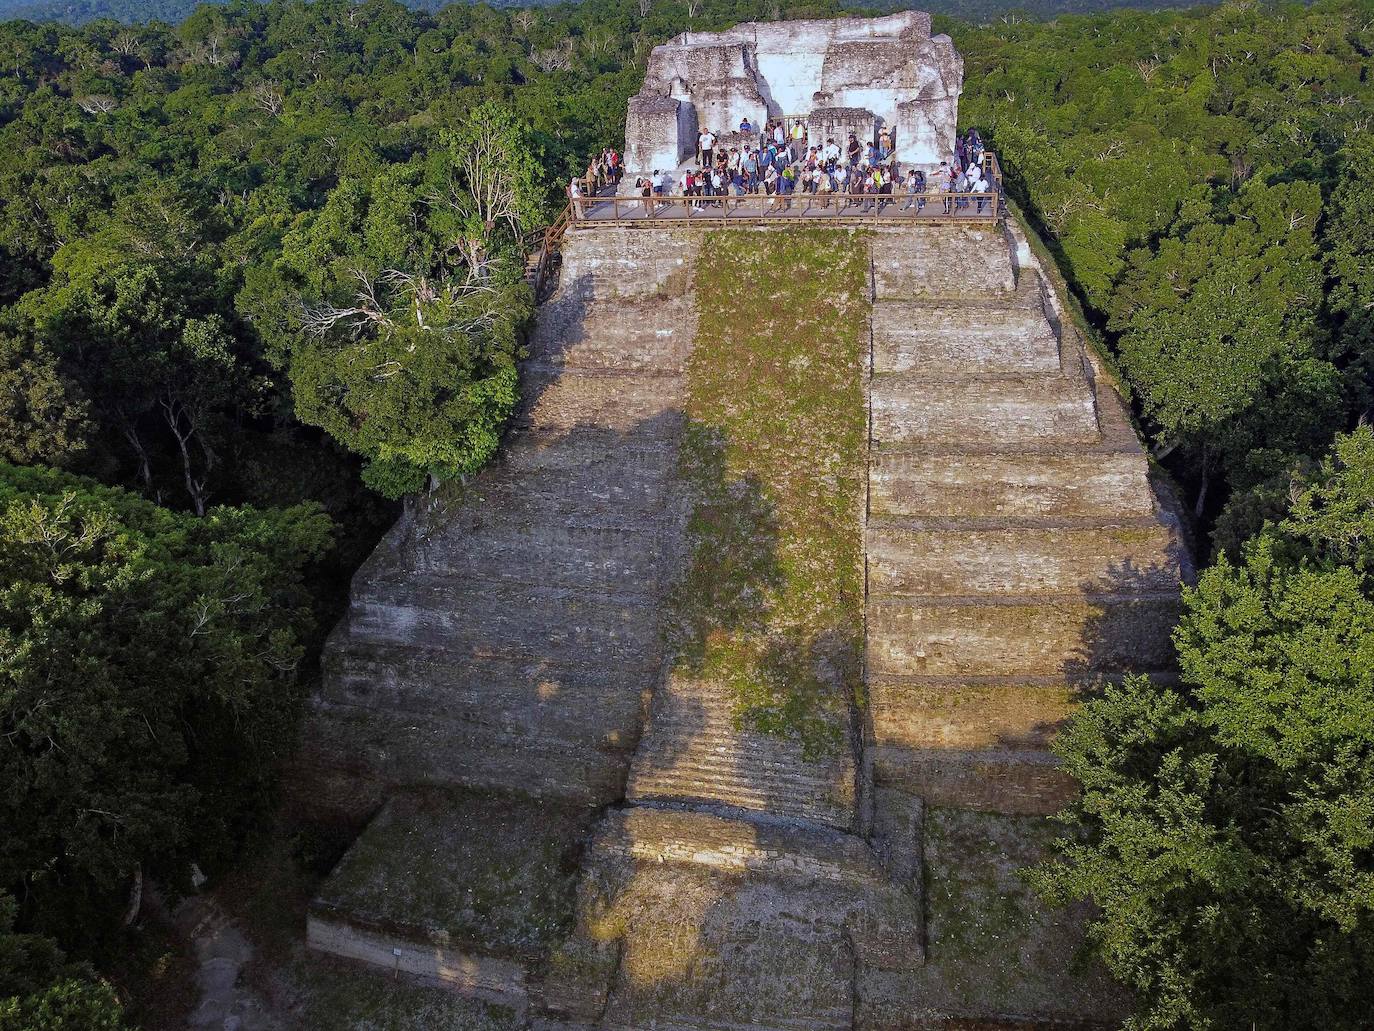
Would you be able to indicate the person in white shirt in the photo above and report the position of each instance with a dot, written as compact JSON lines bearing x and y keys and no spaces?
{"x":980,"y":187}
{"x":770,"y":184}
{"x":708,"y":144}
{"x":575,"y":195}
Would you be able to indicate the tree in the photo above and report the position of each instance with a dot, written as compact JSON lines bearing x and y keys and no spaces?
{"x":401,"y":327}
{"x":40,"y":991}
{"x":75,"y":1004}
{"x":490,"y":177}
{"x":43,"y":418}
{"x":1350,"y":262}
{"x":148,"y":684}
{"x":1225,"y":829}
{"x":148,"y":366}
{"x":1219,"y":335}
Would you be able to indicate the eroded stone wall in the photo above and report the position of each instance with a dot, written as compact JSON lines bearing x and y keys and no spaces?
{"x":890,"y":70}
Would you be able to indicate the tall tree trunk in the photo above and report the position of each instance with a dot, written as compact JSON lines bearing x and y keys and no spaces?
{"x":194,"y":487}
{"x":135,"y":897}
{"x":130,"y":431}
{"x":1202,"y":490}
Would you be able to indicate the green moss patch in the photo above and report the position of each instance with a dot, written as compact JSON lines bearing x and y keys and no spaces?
{"x":991,"y":945}
{"x":773,"y":458}
{"x":334,"y":995}
{"x":491,"y":871}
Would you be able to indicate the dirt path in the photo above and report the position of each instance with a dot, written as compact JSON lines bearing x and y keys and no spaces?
{"x":221,"y":951}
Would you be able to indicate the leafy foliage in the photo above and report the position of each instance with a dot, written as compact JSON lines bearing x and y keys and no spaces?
{"x":147,"y":684}
{"x":402,"y":325}
{"x":1228,"y":822}
{"x":1201,"y":175}
{"x":39,"y":991}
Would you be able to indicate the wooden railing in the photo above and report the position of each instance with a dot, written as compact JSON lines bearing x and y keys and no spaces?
{"x":549,"y":251}
{"x":931,"y":206}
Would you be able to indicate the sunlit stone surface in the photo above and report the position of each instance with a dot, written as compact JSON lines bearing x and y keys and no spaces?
{"x":842,"y":75}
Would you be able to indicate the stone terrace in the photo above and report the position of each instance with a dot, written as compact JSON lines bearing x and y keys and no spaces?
{"x":1016,"y":548}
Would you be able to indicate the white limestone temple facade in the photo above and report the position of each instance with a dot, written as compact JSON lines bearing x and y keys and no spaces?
{"x":842,"y":75}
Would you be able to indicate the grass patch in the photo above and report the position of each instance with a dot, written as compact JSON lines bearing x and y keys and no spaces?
{"x":773,"y":458}
{"x":339,"y":996}
{"x":993,"y":945}
{"x":465,"y":867}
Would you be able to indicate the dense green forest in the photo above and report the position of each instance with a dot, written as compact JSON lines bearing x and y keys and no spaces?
{"x":260,"y":273}
{"x":79,"y":12}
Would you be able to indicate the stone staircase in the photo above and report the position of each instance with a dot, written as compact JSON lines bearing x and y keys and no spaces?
{"x":1016,"y":549}
{"x":694,"y":750}
{"x":506,"y":632}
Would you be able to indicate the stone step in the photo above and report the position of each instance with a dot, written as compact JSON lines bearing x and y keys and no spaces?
{"x":913,"y":337}
{"x":639,"y":404}
{"x":836,"y":1019}
{"x":650,"y":334}
{"x":543,"y":454}
{"x":582,"y":480}
{"x":1027,"y":783}
{"x":1072,"y":636}
{"x":694,"y":749}
{"x":645,"y":833}
{"x":960,"y":262}
{"x":585,"y":497}
{"x":394,"y":749}
{"x":598,"y":704}
{"x":1014,"y":484}
{"x":704,"y":948}
{"x":672,"y":770}
{"x":740,"y":796}
{"x":603,"y":262}
{"x":612,"y":558}
{"x":517,"y":620}
{"x":1013,"y":713}
{"x":914,"y":409}
{"x":1146,"y":556}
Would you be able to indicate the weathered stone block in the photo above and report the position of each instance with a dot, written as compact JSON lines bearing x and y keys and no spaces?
{"x":459,"y":888}
{"x":987,"y":339}
{"x":943,"y":263}
{"x":1010,"y":485}
{"x":962,"y":715}
{"x":912,"y":409}
{"x":998,"y":958}
{"x":1043,"y":638}
{"x":471,"y":974}
{"x":1024,"y":560}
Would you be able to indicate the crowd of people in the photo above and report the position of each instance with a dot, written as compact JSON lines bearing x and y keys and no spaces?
{"x":780,"y":162}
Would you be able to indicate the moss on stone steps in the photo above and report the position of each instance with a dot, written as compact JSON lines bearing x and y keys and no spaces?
{"x":774,"y":460}
{"x":456,"y":867}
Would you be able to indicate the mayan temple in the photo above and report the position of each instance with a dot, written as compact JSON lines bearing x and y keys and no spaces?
{"x":568,"y":813}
